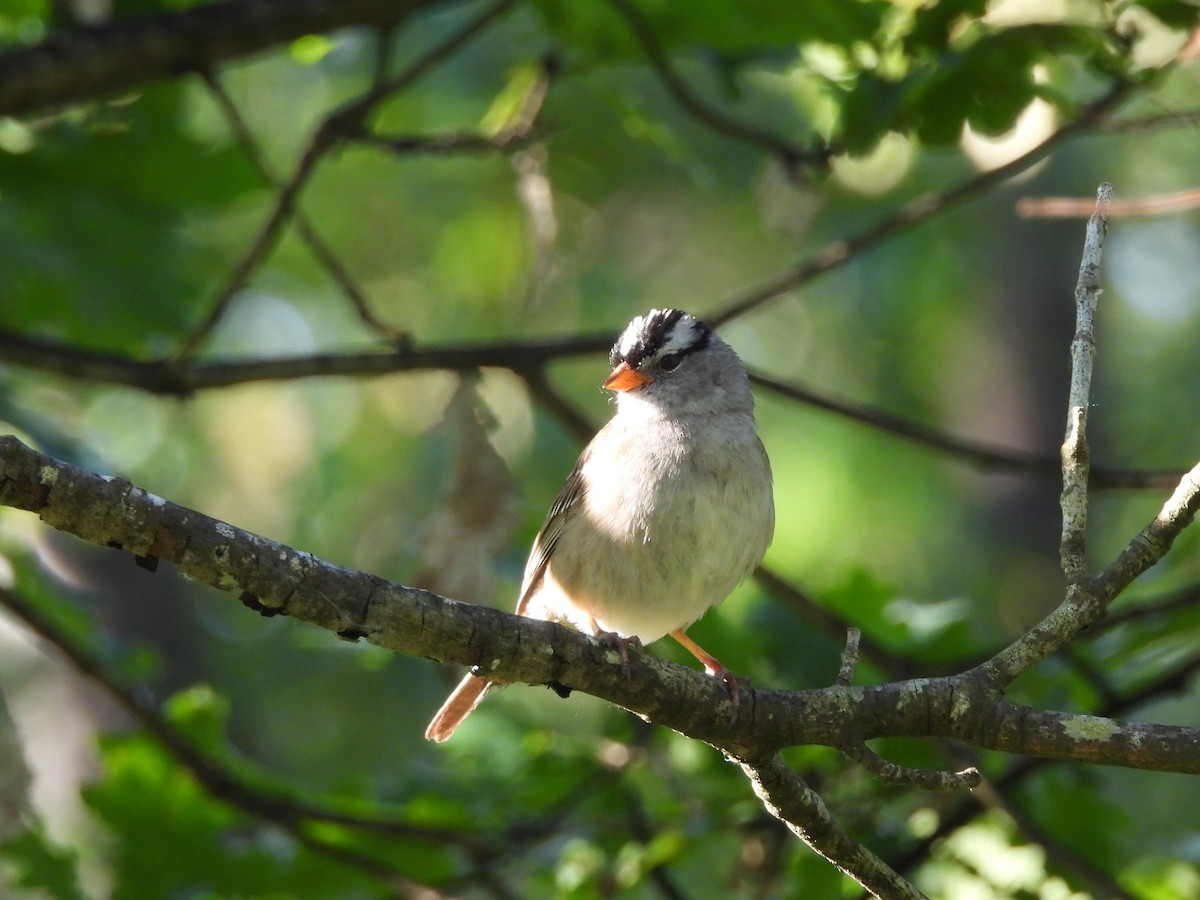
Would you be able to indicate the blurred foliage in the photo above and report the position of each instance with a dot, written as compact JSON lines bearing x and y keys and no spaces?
{"x":120,"y":219}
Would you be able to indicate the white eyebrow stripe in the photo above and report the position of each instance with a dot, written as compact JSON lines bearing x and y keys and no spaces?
{"x":682,"y":337}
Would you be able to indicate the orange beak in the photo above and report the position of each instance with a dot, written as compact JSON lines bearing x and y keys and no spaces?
{"x":623,"y":378}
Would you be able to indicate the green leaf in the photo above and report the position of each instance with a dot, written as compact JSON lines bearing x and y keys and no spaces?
{"x":37,"y":862}
{"x":986,"y":85}
{"x":1180,"y":14}
{"x":95,"y":219}
{"x":737,"y":29}
{"x":933,"y":25}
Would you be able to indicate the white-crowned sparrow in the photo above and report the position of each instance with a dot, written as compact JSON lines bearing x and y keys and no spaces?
{"x":668,"y":508}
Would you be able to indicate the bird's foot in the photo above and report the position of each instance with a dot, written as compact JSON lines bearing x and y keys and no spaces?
{"x":621,"y":645}
{"x":734,"y":684}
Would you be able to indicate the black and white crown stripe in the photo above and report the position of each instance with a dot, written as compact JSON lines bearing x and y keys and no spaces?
{"x":659,"y":333}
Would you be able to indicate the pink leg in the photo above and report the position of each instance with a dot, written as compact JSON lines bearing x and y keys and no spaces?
{"x":717,"y":670}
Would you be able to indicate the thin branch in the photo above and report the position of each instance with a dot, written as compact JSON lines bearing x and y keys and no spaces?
{"x":526,"y":358}
{"x":881,"y":768}
{"x":1154,"y":122}
{"x":810,"y":611}
{"x":1079,"y":207}
{"x":845,"y":675}
{"x":168,"y":378}
{"x":345,"y":120}
{"x":836,"y":254}
{"x":925,"y":779}
{"x":790,"y":154}
{"x":1078,"y":662}
{"x":515,"y":132}
{"x":1087,"y":600}
{"x":802,"y":810}
{"x":576,"y":423}
{"x":1146,"y":608}
{"x":986,"y":456}
{"x":1076,"y":457}
{"x":304,"y":227}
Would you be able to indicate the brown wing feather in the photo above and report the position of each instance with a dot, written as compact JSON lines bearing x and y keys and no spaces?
{"x":472,"y":689}
{"x":569,"y":496}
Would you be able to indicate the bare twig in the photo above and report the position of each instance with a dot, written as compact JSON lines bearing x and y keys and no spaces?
{"x":1078,"y":207}
{"x":925,"y":779}
{"x":845,"y":675}
{"x":810,"y":611}
{"x":180,"y":379}
{"x":1151,"y":607}
{"x":514,"y":132}
{"x":304,"y":227}
{"x":1153,"y":122}
{"x":1076,"y":458}
{"x":346,"y":120}
{"x":1088,"y":599}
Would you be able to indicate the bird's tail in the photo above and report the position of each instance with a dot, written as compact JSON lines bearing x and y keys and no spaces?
{"x":460,"y":704}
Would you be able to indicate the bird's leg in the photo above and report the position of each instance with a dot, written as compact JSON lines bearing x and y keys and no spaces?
{"x":715,"y":668}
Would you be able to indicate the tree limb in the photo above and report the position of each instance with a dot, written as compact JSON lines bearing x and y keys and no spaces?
{"x":275,"y":579}
{"x":89,"y":63}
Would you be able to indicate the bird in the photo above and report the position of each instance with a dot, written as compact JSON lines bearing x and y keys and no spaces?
{"x":668,"y":508}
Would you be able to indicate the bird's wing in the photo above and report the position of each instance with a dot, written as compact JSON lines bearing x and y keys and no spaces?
{"x":569,"y":497}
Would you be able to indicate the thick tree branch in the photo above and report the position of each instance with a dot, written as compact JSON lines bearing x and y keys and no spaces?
{"x":275,"y":579}
{"x":1175,"y":680}
{"x":89,"y":63}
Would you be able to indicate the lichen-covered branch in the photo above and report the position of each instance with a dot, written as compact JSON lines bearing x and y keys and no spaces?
{"x":275,"y":579}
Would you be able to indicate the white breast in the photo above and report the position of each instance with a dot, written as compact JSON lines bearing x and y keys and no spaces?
{"x":665,"y":530}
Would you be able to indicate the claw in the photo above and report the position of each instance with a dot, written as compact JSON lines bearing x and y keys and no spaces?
{"x":714,"y":667}
{"x":621,"y":645}
{"x":733,"y":684}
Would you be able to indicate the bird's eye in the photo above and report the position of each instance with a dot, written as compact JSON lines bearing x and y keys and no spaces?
{"x":670,"y":362}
